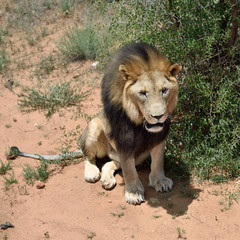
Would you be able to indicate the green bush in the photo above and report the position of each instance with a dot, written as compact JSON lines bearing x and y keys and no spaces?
{"x":203,"y":37}
{"x":50,"y":98}
{"x":41,"y":172}
{"x":78,"y":44}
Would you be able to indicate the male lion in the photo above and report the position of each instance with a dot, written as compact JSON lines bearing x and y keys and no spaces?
{"x":139,"y":92}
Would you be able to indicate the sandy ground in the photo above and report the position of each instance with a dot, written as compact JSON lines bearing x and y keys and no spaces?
{"x":68,"y":208}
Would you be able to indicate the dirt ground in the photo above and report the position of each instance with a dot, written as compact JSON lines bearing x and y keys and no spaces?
{"x":68,"y":207}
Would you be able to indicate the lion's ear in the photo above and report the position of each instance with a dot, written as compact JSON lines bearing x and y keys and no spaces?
{"x":123,"y":72}
{"x":174,"y":69}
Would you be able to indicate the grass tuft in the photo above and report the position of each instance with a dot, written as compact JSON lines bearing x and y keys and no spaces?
{"x":117,"y":214}
{"x":79,"y":44}
{"x":51,"y":98}
{"x":181,"y":232}
{"x":9,"y":181}
{"x":5,"y":167}
{"x":47,"y":64}
{"x":91,"y":235}
{"x":39,"y":173}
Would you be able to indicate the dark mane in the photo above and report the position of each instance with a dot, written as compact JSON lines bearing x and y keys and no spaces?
{"x":130,"y":139}
{"x":135,"y":49}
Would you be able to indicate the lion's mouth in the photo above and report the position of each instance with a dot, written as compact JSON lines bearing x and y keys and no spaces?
{"x":157,"y":127}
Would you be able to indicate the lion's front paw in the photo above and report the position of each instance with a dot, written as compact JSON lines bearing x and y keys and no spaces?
{"x":91,"y":173}
{"x":160,"y":182}
{"x":135,"y":194}
{"x":108,"y":182}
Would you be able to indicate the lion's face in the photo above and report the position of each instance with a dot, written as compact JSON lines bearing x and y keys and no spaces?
{"x":151,"y":98}
{"x":150,"y":93}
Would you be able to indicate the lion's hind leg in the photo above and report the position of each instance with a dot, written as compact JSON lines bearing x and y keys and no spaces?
{"x":108,"y":180}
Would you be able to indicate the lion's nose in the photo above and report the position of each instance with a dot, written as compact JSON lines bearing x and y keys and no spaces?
{"x":157,"y":116}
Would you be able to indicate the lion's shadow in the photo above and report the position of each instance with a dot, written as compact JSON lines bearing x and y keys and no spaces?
{"x":175,"y":202}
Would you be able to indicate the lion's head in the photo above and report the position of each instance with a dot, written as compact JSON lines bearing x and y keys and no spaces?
{"x":144,"y":85}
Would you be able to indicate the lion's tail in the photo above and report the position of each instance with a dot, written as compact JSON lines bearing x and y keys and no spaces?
{"x":14,"y":152}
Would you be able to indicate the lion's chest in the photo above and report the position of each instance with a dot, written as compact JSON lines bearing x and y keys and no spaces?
{"x":135,"y":140}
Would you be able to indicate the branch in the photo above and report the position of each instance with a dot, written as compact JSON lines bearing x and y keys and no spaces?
{"x":234,"y":29}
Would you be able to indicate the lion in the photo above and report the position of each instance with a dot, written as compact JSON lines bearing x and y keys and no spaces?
{"x":139,"y":95}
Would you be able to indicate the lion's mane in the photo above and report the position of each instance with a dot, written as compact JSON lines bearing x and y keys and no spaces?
{"x":130,"y":138}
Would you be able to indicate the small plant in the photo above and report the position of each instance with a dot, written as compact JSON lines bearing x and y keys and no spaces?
{"x":44,"y":32}
{"x":10,"y":181}
{"x":229,"y":198}
{"x":101,"y":193}
{"x":40,"y":173}
{"x":51,"y":98}
{"x":91,"y":235}
{"x":64,"y":6}
{"x":78,"y":44}
{"x":123,"y":207}
{"x":117,"y":214}
{"x":47,"y":64}
{"x":31,"y":40}
{"x":181,"y":232}
{"x":5,"y":167}
{"x":215,"y":193}
{"x":28,"y":174}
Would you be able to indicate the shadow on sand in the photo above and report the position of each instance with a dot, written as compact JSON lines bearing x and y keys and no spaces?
{"x":176,"y":201}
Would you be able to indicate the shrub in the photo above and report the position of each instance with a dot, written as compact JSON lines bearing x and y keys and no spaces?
{"x":78,"y":44}
{"x":50,"y":98}
{"x":203,"y":37}
{"x":41,"y":172}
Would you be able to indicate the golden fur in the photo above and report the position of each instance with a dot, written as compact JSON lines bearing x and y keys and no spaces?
{"x":139,"y":93}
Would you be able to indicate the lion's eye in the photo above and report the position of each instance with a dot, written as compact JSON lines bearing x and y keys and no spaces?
{"x":143,"y":93}
{"x":164,"y":91}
